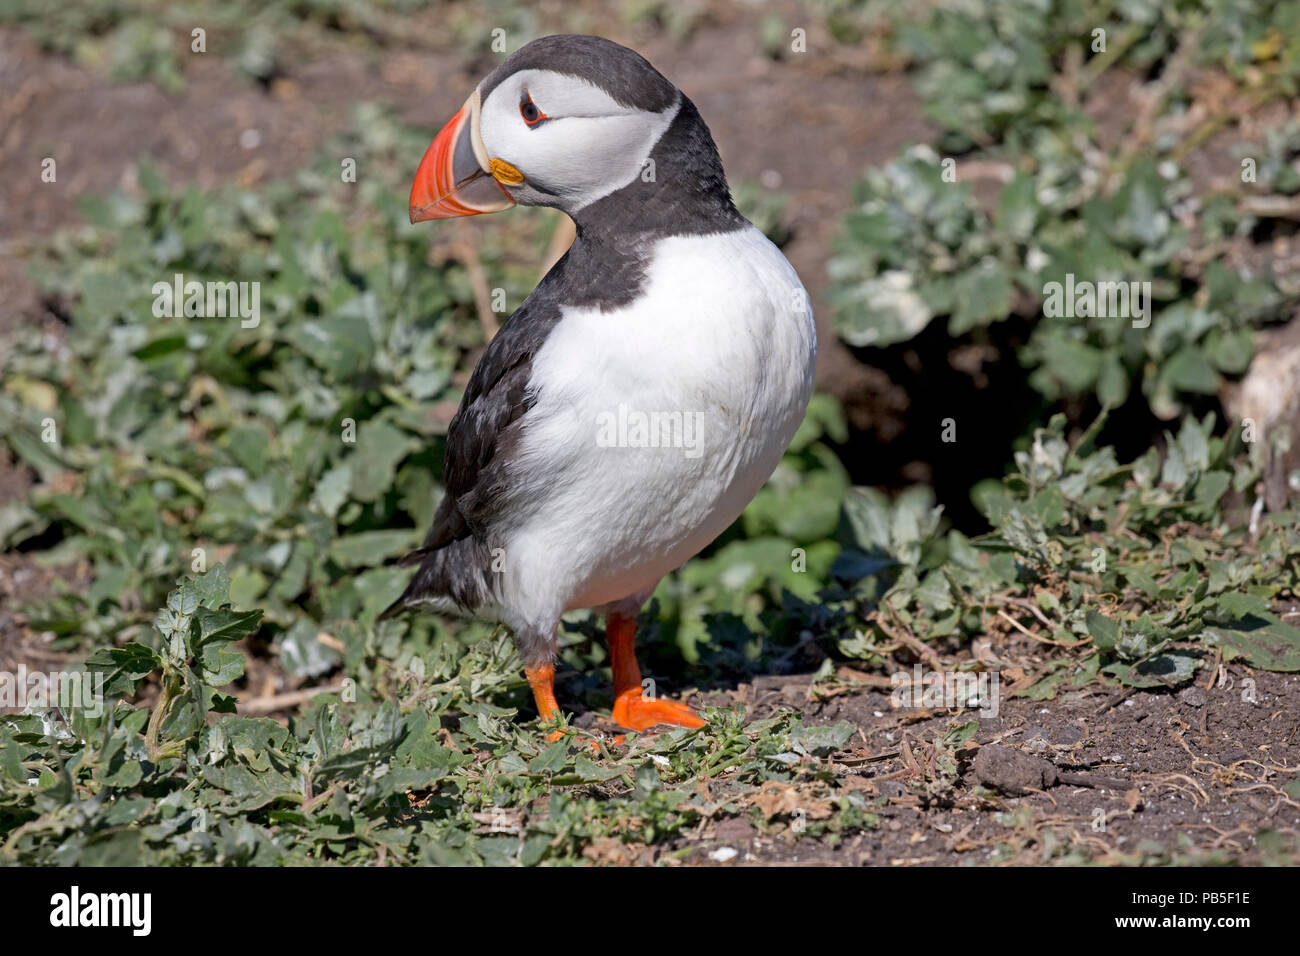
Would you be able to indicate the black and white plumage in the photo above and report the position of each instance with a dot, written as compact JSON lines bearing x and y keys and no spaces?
{"x":668,"y":301}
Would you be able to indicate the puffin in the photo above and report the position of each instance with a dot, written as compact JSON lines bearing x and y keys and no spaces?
{"x":635,"y":402}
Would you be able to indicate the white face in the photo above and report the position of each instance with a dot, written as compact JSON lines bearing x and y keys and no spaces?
{"x":581,"y":146}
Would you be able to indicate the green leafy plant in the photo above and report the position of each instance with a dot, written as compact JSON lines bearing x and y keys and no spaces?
{"x":1130,"y":570}
{"x":917,"y":248}
{"x":1077,"y":203}
{"x":992,"y":69}
{"x":408,"y":765}
{"x":152,"y":40}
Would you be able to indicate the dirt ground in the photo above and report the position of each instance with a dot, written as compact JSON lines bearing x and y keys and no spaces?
{"x":1204,"y":774}
{"x":1188,"y":769}
{"x":1200,"y":765}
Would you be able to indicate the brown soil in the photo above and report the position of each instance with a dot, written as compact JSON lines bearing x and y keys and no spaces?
{"x":1194,"y":775}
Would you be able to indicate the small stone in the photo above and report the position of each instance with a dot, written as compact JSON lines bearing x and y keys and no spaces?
{"x":891,"y":788}
{"x":1194,"y":696}
{"x":1011,"y":771}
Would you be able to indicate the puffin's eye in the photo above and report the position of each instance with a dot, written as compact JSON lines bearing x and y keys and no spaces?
{"x":529,"y":111}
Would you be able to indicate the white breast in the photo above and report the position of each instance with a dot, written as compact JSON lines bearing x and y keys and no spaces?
{"x":717,"y":354}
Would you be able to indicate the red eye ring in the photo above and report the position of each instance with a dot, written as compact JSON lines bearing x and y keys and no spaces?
{"x":530,"y":112}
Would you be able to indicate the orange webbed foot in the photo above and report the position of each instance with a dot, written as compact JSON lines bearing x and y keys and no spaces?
{"x":634,"y":711}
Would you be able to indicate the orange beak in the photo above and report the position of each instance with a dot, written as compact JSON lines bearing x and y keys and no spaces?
{"x":455,"y":177}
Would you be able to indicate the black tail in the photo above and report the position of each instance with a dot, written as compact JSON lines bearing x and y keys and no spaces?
{"x":458,"y":573}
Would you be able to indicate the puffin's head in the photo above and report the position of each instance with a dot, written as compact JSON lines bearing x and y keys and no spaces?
{"x":564,"y":122}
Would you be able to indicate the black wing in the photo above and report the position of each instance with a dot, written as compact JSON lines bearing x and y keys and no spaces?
{"x":454,"y":559}
{"x":486,"y":426}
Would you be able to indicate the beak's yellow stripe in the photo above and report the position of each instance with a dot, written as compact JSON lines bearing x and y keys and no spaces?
{"x":506,"y":173}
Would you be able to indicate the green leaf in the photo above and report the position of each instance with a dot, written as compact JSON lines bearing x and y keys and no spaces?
{"x":1189,"y":371}
{"x":1262,"y":640}
{"x":212,"y":589}
{"x":1231,"y":352}
{"x":1018,"y":207}
{"x":123,"y":667}
{"x":332,"y":489}
{"x":1112,"y":381}
{"x":250,"y":446}
{"x":225,"y":625}
{"x":551,"y":760}
{"x":1105,"y":632}
{"x":887,"y":309}
{"x":822,"y":740}
{"x":369,"y":548}
{"x":959,"y":735}
{"x":1169,"y":669}
{"x":302,"y":654}
{"x":983,"y":295}
{"x":1238,"y":604}
{"x":220,"y":664}
{"x":380,"y":447}
{"x":11,"y":759}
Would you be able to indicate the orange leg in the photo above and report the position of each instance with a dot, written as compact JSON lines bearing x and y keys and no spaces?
{"x":542,"y":681}
{"x":632,"y":709}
